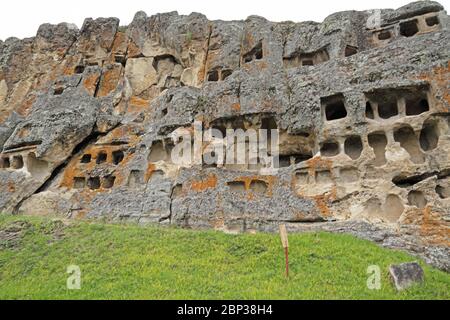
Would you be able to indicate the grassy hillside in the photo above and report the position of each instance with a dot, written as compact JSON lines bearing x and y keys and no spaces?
{"x":132,"y":262}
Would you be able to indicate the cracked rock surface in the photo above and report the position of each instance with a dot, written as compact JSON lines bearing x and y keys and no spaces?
{"x":87,"y":119}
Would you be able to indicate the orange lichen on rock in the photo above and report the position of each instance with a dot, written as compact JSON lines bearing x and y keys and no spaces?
{"x":120,"y":43}
{"x":318,"y":163}
{"x":236,"y":107}
{"x":90,"y":83}
{"x":136,"y":103}
{"x":247,"y":180}
{"x":77,"y":169}
{"x":133,"y":50}
{"x":439,"y":78}
{"x":201,"y":185}
{"x":109,"y":80}
{"x":322,"y":200}
{"x":149,"y":172}
{"x":124,"y":134}
{"x":434,"y":228}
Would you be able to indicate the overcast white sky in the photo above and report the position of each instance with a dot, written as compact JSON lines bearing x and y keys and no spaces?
{"x":21,"y":18}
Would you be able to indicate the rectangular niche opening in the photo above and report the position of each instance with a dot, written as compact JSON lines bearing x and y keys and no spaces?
{"x":353,"y":147}
{"x":432,"y":21}
{"x":408,"y":140}
{"x":108,"y":182}
{"x":324,"y":177}
{"x":299,"y":59}
{"x":226,"y":73}
{"x":349,"y":175}
{"x":334,"y":107}
{"x":17,"y":162}
{"x":136,"y":178}
{"x":284,"y":161}
{"x":93,"y":183}
{"x":58,"y":91}
{"x":213,"y":75}
{"x":255,"y":54}
{"x":302,"y":178}
{"x":443,"y":189}
{"x":86,"y":158}
{"x":101,"y":157}
{"x":329,"y":149}
{"x":416,"y":103}
{"x":314,"y":58}
{"x":384,"y":35}
{"x":118,"y":157}
{"x":350,"y":51}
{"x":387,"y":101}
{"x":258,"y":186}
{"x":409,"y":28}
{"x":4,"y":163}
{"x":79,"y":69}
{"x":157,"y":152}
{"x":378,"y":142}
{"x":79,"y":182}
{"x":369,"y":111}
{"x":388,"y":108}
{"x":236,"y":186}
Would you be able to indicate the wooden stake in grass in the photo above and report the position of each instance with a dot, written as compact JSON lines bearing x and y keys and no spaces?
{"x":285,"y":243}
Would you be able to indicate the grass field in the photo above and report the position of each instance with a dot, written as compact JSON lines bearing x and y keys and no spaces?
{"x":133,"y":262}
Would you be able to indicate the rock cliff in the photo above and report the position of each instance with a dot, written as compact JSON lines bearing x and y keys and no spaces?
{"x":361,"y":102}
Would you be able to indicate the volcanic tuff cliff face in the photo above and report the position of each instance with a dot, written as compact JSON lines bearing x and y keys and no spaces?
{"x":86,"y":119}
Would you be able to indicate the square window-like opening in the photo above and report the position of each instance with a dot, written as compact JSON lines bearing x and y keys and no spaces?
{"x":255,"y":54}
{"x":237,"y":186}
{"x":226,"y":73}
{"x":4,"y":163}
{"x":86,"y":158}
{"x":213,"y":75}
{"x":94,"y":183}
{"x":284,"y":161}
{"x":17,"y":162}
{"x":334,"y":107}
{"x":353,"y":147}
{"x":79,"y":69}
{"x":378,"y":142}
{"x":108,"y":182}
{"x":259,"y":53}
{"x":307,"y":63}
{"x":409,"y":28}
{"x":118,"y":157}
{"x":119,"y":58}
{"x":432,"y":21}
{"x":369,"y":111}
{"x":415,"y":107}
{"x":350,"y":51}
{"x":79,"y":182}
{"x":58,"y":91}
{"x":384,"y":35}
{"x":248,"y":59}
{"x":135,"y":178}
{"x":388,"y":108}
{"x":329,"y":149}
{"x":101,"y":157}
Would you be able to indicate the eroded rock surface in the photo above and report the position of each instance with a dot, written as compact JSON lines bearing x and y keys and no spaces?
{"x":361,"y":102}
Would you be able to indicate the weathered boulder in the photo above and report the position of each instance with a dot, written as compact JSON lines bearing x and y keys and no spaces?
{"x":406,"y":274}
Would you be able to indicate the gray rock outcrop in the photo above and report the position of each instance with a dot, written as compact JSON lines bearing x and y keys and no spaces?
{"x":361,"y":102}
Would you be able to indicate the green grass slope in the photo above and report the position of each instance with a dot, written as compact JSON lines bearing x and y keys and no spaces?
{"x":133,"y":262}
